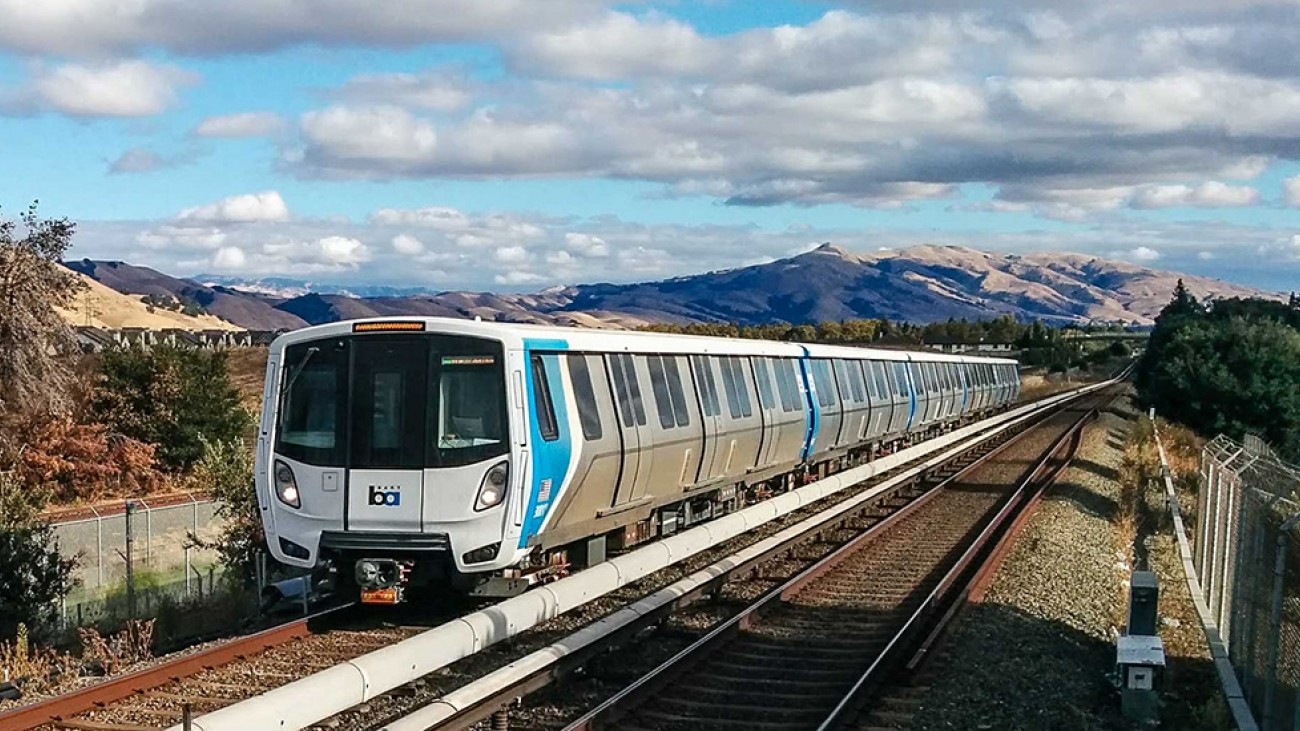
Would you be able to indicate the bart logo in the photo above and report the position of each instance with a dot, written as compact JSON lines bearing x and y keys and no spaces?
{"x":386,"y":495}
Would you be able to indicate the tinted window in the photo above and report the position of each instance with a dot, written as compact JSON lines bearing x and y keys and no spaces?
{"x":707,"y":385}
{"x":742,"y":387}
{"x":675,"y":392}
{"x":585,"y":395}
{"x":620,"y":389}
{"x":784,"y":388}
{"x":634,"y":388}
{"x":389,"y":388}
{"x":824,"y":384}
{"x":729,"y":385}
{"x":470,"y":404}
{"x":314,"y":396}
{"x":855,"y":375}
{"x":764,"y":382}
{"x":841,"y":373}
{"x":543,"y":407}
{"x":795,"y":384}
{"x":663,"y":403}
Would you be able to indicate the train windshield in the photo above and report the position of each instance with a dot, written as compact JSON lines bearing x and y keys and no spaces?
{"x":393,"y":402}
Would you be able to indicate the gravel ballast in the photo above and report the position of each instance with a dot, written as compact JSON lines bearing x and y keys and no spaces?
{"x":1037,"y":651}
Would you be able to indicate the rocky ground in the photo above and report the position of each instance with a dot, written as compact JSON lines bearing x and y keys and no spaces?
{"x":1038,"y":652}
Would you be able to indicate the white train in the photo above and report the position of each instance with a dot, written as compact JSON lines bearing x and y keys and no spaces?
{"x":395,"y":454}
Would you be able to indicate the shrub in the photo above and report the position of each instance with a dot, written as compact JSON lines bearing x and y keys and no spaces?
{"x":83,"y":462}
{"x":172,"y":397}
{"x":226,"y":471}
{"x":34,"y":576}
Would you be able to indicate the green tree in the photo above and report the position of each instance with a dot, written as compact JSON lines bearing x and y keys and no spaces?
{"x":172,"y":397}
{"x":226,"y":471}
{"x":34,"y":576}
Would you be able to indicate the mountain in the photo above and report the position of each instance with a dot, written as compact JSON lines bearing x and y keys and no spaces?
{"x":917,"y":284}
{"x":102,"y":307}
{"x":247,"y":310}
{"x":285,"y":288}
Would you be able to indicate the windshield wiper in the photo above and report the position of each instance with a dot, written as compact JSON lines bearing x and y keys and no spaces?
{"x":297,"y":370}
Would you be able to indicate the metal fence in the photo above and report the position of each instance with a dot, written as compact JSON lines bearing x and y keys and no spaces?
{"x":1247,"y":558}
{"x":155,"y":539}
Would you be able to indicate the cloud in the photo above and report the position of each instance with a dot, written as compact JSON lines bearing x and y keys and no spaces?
{"x":1291,"y":191}
{"x":108,"y":89}
{"x":1210,"y":194}
{"x":243,"y":124}
{"x":407,"y":244}
{"x":229,"y":258}
{"x":520,"y":250}
{"x":142,"y":160}
{"x":98,"y":27}
{"x":249,"y":208}
{"x":367,"y":140}
{"x":435,"y":91}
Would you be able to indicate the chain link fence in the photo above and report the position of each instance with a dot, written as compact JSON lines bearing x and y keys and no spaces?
{"x":1247,"y":558}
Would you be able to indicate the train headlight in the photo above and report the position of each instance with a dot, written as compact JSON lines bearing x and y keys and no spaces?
{"x":493,"y":489}
{"x":286,"y":487}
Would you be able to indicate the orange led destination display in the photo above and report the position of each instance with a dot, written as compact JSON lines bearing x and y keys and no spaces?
{"x":396,"y":326}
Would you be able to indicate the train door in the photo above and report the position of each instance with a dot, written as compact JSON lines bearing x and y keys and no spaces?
{"x":638,"y":445}
{"x":769,"y":409}
{"x":712,"y":460}
{"x":385,"y":484}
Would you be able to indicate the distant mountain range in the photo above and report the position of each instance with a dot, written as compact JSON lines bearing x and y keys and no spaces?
{"x":917,"y":284}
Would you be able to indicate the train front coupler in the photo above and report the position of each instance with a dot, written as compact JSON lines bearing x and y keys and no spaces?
{"x":382,"y":580}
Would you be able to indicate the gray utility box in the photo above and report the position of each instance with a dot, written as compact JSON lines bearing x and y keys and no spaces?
{"x":1143,"y":598}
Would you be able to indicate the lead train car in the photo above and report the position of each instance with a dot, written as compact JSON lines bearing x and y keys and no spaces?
{"x":491,"y":456}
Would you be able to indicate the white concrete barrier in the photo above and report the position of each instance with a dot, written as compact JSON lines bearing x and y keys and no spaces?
{"x":312,"y":699}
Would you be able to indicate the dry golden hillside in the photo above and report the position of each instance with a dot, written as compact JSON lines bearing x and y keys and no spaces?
{"x":99,"y":306}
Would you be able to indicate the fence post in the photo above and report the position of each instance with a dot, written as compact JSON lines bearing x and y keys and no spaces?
{"x":99,"y":546}
{"x":130,"y":561}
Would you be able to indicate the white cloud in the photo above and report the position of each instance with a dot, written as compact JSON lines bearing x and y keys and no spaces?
{"x":1210,"y":194}
{"x":517,"y":277}
{"x":71,"y":27}
{"x":407,"y":244}
{"x":1144,"y":254}
{"x":435,"y":91}
{"x":243,"y":124}
{"x":510,"y":254}
{"x":249,"y":208}
{"x":110,"y":89}
{"x":586,"y":244}
{"x":139,"y":160}
{"x":229,"y":258}
{"x":367,"y":138}
{"x":1291,"y":191}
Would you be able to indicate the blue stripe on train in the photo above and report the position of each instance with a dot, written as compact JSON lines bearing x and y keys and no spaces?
{"x":813,"y":420}
{"x":550,"y":459}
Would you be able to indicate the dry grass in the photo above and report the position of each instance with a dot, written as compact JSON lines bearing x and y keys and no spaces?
{"x":36,"y":669}
{"x":248,"y":373}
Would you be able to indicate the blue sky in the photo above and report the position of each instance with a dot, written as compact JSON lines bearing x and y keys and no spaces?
{"x":515,"y":144}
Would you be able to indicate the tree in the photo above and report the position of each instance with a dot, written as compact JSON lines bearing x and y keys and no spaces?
{"x":35,"y":377}
{"x":85,"y":462}
{"x":34,"y":576}
{"x":226,"y":471}
{"x":171,"y":397}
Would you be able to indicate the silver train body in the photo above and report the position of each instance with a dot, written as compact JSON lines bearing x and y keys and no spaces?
{"x":424,"y":451}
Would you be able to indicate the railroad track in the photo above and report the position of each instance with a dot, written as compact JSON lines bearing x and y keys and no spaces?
{"x":155,"y":698}
{"x":242,"y":668}
{"x":813,"y":652}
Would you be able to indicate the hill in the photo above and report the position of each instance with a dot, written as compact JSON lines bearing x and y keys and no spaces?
{"x":918,"y":284}
{"x":100,"y":306}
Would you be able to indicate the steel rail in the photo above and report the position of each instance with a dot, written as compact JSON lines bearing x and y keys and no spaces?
{"x":615,"y":707}
{"x":1041,"y":475}
{"x":64,"y":707}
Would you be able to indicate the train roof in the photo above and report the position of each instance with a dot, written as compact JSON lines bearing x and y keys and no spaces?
{"x":591,"y":339}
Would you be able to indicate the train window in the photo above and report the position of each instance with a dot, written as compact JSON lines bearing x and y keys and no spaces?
{"x":543,"y":407}
{"x":659,"y":382}
{"x":785,"y":385}
{"x":620,"y":389}
{"x":675,"y":393}
{"x":729,"y":386}
{"x":585,"y":395}
{"x":842,"y":378}
{"x":742,"y":388}
{"x":634,"y":389}
{"x":824,"y":383}
{"x":860,"y":389}
{"x":312,"y":406}
{"x":797,"y":394}
{"x":708,"y":386}
{"x":764,"y":382}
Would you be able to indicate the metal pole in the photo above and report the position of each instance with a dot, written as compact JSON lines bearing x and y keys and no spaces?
{"x":130,"y":561}
{"x":99,"y":545}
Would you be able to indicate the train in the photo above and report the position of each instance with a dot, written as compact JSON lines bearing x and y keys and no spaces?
{"x":399,"y":456}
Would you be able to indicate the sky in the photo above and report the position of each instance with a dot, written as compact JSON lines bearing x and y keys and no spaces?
{"x":519,"y":144}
